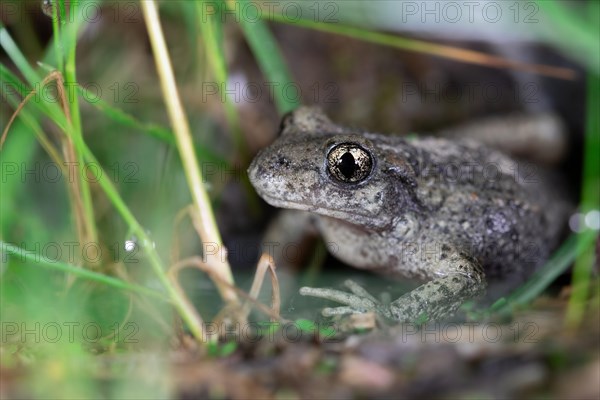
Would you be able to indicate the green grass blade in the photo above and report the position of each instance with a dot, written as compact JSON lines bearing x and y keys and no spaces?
{"x":210,"y":28}
{"x":38,"y":259}
{"x":12,"y":193}
{"x":575,"y":35}
{"x":121,"y":117}
{"x":157,"y":131}
{"x":431,"y":48}
{"x":590,"y":201}
{"x":271,"y":62}
{"x":58,"y":50}
{"x":10,"y":80}
{"x":70,"y":33}
{"x":558,"y":264}
{"x":14,"y":53}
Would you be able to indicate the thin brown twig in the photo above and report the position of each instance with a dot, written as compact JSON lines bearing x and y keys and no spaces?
{"x":197,"y":262}
{"x":68,"y":152}
{"x":265,"y":264}
{"x":50,"y":77}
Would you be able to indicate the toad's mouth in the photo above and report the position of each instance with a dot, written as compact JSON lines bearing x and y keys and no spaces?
{"x":354,"y":217}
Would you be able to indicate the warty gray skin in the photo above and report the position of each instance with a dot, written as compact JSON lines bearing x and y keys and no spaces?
{"x":453,"y":213}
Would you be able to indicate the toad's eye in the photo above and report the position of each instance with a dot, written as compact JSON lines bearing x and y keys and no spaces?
{"x":349,"y":163}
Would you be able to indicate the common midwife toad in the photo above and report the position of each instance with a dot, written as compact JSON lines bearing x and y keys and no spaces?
{"x":453,"y":213}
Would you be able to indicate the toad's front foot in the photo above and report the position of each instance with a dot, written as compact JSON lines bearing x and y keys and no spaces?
{"x":358,"y":301}
{"x":434,"y":300}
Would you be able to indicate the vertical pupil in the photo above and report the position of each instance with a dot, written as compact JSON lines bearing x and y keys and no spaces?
{"x":347,"y":165}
